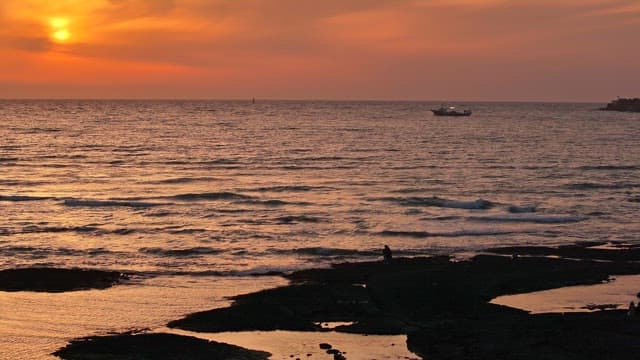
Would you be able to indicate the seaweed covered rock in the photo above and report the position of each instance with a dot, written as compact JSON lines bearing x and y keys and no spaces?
{"x":57,"y":280}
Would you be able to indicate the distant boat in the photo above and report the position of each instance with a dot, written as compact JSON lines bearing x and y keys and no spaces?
{"x":450,"y":111}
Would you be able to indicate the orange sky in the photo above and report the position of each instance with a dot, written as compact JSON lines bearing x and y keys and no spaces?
{"x":552,"y":50}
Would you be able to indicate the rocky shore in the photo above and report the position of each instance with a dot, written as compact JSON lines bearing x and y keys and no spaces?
{"x":57,"y":279}
{"x":443,"y":306}
{"x":623,"y":104}
{"x":154,"y":346}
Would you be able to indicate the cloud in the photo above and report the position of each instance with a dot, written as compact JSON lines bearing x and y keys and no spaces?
{"x":333,"y":46}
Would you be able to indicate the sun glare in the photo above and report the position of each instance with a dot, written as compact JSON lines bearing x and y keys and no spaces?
{"x":59,"y":29}
{"x":61,"y":35}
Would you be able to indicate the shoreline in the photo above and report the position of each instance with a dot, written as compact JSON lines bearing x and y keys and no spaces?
{"x":443,"y":307}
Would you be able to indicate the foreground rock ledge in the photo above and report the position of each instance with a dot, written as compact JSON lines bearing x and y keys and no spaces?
{"x":154,"y":347}
{"x":57,"y":280}
{"x":443,"y":306}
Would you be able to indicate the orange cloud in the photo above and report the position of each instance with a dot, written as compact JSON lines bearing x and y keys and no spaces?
{"x":304,"y":48}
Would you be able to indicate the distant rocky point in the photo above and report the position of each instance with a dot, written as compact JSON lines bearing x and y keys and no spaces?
{"x":623,"y":104}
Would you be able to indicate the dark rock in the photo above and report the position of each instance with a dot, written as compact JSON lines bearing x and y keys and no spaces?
{"x":333,"y":351}
{"x":623,"y":104}
{"x":152,"y":347}
{"x":325,"y":346}
{"x":57,"y":280}
{"x":574,"y":251}
{"x":443,"y":306}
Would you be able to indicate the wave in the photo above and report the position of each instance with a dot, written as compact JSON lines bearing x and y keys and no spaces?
{"x":598,"y":186}
{"x":480,"y":204}
{"x":205,"y":162}
{"x":37,"y":130}
{"x":210,"y":196}
{"x":181,"y":180}
{"x":462,"y":233}
{"x":18,"y":198}
{"x":62,"y":156}
{"x":57,"y":229}
{"x":304,"y":167}
{"x":285,"y":188}
{"x":325,"y":251}
{"x":609,"y":167}
{"x":186,"y":231}
{"x":36,"y":252}
{"x":270,"y":203}
{"x":14,"y":182}
{"x":36,"y":229}
{"x":109,"y":203}
{"x":256,"y":271}
{"x":522,"y":209}
{"x":195,"y":251}
{"x":326,"y":158}
{"x":530,"y":218}
{"x":418,"y":190}
{"x":443,"y":218}
{"x":297,"y":219}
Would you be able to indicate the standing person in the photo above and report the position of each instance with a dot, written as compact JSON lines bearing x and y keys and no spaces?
{"x":386,"y":254}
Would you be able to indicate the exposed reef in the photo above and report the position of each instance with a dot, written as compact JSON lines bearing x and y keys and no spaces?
{"x":153,"y":347}
{"x":443,"y":306}
{"x":623,"y":104}
{"x":57,"y":280}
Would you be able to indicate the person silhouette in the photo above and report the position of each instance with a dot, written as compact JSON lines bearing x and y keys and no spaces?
{"x":632,"y":310}
{"x":386,"y":255}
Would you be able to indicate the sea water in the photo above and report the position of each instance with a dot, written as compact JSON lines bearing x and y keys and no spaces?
{"x":196,"y":197}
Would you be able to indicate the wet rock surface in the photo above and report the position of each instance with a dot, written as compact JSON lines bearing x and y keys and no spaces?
{"x":443,"y":306}
{"x":153,"y":347}
{"x":57,"y":280}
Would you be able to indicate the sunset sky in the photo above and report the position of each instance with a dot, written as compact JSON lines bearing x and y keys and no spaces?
{"x":551,"y":50}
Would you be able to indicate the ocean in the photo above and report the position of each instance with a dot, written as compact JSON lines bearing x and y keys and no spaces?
{"x":195,"y":198}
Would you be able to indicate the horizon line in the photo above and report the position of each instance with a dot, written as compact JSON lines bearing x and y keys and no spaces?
{"x":250,"y":99}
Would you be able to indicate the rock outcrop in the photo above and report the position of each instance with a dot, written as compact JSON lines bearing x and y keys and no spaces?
{"x":623,"y":104}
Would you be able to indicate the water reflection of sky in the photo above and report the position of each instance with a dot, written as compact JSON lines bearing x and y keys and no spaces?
{"x":620,"y":292}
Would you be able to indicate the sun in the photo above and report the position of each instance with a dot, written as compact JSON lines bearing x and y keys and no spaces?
{"x":59,"y":29}
{"x":61,"y":35}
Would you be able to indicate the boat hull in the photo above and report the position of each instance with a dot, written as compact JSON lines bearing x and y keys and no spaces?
{"x":439,"y":112}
